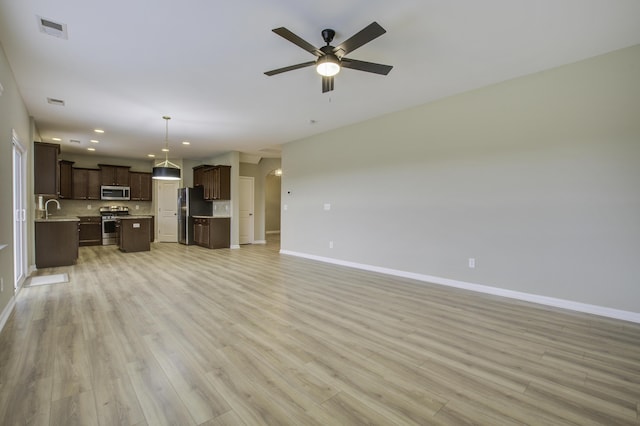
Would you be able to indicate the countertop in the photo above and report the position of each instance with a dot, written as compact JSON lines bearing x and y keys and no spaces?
{"x":60,"y":219}
{"x":135,"y":217}
{"x":211,"y":217}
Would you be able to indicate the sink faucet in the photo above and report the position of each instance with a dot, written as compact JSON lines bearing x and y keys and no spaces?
{"x":46,"y":205}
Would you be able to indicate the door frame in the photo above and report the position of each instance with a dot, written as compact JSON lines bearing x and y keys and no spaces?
{"x":158,"y":184}
{"x":19,"y":211}
{"x":252,"y":216}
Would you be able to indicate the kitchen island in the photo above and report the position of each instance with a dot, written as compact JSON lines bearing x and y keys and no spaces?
{"x":135,"y":233}
{"x":56,"y":241}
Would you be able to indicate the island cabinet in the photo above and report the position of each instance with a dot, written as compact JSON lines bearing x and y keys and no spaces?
{"x":45,"y":166}
{"x":114,"y":175}
{"x":134,"y":233}
{"x":86,"y":184}
{"x":90,"y":231}
{"x":140,"y":184}
{"x":65,"y":169}
{"x":56,"y":242}
{"x":215,"y":180}
{"x":212,"y":232}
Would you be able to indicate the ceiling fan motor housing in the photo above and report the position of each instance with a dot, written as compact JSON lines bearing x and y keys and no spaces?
{"x":328,"y":35}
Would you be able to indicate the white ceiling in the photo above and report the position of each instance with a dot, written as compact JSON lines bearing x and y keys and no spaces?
{"x":125,"y":64}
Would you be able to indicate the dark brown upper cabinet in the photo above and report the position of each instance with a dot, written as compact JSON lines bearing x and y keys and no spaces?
{"x":114,"y":175}
{"x":45,"y":168}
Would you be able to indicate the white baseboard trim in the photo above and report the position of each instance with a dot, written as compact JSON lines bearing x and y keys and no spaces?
{"x":496,"y":291}
{"x":272,"y":232}
{"x":235,"y":246}
{"x":6,"y":312}
{"x":260,"y":242}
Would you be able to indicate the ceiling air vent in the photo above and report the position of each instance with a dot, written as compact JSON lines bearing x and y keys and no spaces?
{"x":52,"y":28}
{"x":54,"y":101}
{"x":74,"y":141}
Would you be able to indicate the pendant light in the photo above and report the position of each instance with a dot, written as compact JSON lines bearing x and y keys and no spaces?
{"x":166,"y":170}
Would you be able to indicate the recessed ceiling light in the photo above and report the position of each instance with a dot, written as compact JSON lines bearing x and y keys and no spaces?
{"x":98,"y":130}
{"x":91,"y":149}
{"x":186,"y":143}
{"x":165,"y":149}
{"x":151,"y":155}
{"x":94,"y":141}
{"x":56,"y":139}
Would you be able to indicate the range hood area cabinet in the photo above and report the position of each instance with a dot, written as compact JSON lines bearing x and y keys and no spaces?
{"x":45,"y":166}
{"x":216,"y":181}
{"x":111,"y":175}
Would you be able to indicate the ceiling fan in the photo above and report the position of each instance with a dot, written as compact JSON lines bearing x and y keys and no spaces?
{"x":331,"y":59}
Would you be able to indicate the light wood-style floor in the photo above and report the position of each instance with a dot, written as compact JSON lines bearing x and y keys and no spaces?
{"x":189,"y":336}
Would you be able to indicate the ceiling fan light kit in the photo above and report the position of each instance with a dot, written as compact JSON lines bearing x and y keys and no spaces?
{"x":166,"y":170}
{"x":328,"y":65}
{"x":331,"y":59}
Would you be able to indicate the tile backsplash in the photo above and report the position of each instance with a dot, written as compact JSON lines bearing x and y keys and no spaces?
{"x":92,"y":207}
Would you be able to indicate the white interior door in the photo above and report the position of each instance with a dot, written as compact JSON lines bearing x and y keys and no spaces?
{"x":246,"y":210}
{"x":167,"y":229}
{"x":19,"y":212}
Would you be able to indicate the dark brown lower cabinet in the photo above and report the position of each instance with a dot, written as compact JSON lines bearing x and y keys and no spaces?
{"x":90,"y":230}
{"x":212,"y":232}
{"x":135,"y":234}
{"x":56,"y":243}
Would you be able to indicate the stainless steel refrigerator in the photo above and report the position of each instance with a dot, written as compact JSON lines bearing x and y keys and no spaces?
{"x":190,"y":203}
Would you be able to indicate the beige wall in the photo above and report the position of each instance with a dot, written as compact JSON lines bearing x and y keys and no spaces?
{"x":536,"y":178}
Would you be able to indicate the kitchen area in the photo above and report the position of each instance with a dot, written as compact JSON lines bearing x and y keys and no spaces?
{"x":112,"y":205}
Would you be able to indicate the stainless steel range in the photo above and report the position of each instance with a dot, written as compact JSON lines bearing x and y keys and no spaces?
{"x":109,"y":217}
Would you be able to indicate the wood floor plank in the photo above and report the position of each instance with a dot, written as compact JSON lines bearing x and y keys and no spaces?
{"x":200,"y":398}
{"x":75,"y":410}
{"x":116,"y":402}
{"x":186,"y":335}
{"x":159,"y":401}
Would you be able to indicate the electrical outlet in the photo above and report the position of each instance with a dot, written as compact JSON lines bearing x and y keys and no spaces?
{"x":88,"y":206}
{"x":330,"y":244}
{"x":472,"y":262}
{"x":327,"y":206}
{"x":137,"y":207}
{"x":285,"y":207}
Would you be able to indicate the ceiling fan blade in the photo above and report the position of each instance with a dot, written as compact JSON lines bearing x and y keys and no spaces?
{"x":290,"y":68}
{"x":285,"y":33}
{"x":366,"y":66}
{"x":327,"y":84}
{"x":370,"y":32}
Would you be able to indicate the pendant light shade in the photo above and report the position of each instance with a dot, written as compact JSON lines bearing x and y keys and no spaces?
{"x":163,"y":172}
{"x":166,"y":170}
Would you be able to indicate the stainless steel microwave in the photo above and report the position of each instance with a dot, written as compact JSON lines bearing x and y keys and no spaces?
{"x":115,"y":192}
